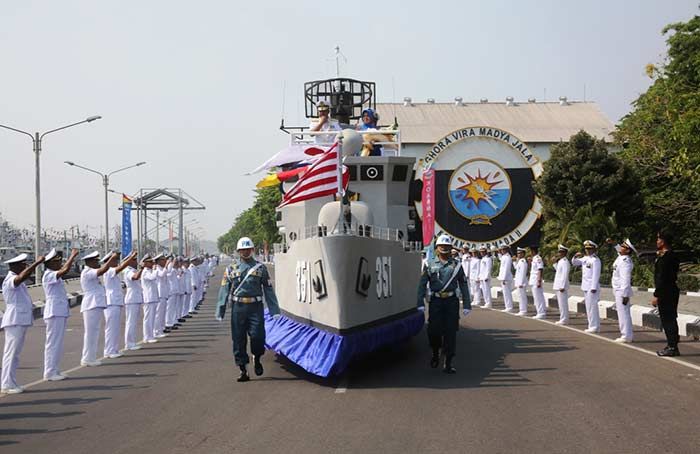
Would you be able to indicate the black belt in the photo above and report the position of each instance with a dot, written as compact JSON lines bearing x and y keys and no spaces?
{"x":443,"y":295}
{"x":247,"y":299}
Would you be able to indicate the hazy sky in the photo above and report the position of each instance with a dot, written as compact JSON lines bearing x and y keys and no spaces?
{"x":195,"y":88}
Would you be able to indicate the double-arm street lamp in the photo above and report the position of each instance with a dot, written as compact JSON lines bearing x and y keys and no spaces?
{"x":36,"y":140}
{"x":105,"y":182}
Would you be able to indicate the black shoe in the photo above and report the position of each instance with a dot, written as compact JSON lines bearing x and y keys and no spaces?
{"x":187,"y":316}
{"x":243,"y":376}
{"x":174,"y":327}
{"x":669,"y":351}
{"x":166,"y":330}
{"x":435,"y":361}
{"x":181,"y":320}
{"x":258,"y":367}
{"x":194,"y":312}
{"x":448,"y":369}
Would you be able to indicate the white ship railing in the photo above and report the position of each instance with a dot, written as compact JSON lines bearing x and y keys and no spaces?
{"x":353,"y":229}
{"x":389,"y":148}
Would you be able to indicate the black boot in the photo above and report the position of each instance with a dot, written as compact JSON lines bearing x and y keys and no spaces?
{"x":448,"y":367}
{"x":258,"y":366}
{"x":435,"y":360}
{"x":243,"y":376}
{"x":669,"y":351}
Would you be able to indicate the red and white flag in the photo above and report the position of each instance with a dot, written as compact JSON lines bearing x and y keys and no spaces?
{"x":321,"y":179}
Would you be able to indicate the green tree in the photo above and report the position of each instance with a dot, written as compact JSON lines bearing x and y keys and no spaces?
{"x":661,"y":136}
{"x":587,"y":192}
{"x":257,"y":222}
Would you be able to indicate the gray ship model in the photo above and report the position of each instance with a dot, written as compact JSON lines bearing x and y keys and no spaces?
{"x":347,"y":268}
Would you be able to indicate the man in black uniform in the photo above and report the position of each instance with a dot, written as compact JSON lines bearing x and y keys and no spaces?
{"x":666,"y":292}
{"x":444,"y":274}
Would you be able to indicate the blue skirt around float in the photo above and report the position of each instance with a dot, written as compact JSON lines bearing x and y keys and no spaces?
{"x":324,"y":353}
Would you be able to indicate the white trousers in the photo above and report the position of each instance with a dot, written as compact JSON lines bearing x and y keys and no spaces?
{"x":194,"y":300}
{"x":185,"y":308}
{"x":475,"y":292}
{"x":486,"y":292}
{"x":53,"y":348}
{"x":149,"y":320}
{"x":113,"y":328}
{"x":92,"y":320}
{"x":591,"y":299}
{"x":161,"y":309}
{"x":507,"y":287}
{"x":171,"y":311}
{"x":522,"y":299}
{"x":132,"y":321}
{"x":563,"y":301}
{"x":538,"y":299}
{"x":624,"y":317}
{"x":14,"y":341}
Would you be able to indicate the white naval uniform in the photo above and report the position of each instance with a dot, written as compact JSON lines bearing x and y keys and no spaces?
{"x":171,"y":314}
{"x":15,"y":321}
{"x":505,"y":275}
{"x":132,"y":302}
{"x":186,"y":290}
{"x":485,"y":265}
{"x":114,"y":310}
{"x":163,"y":294}
{"x":622,"y":288}
{"x":195,"y":286}
{"x":56,"y":312}
{"x":475,"y":288}
{"x":590,"y":284}
{"x":149,"y":284}
{"x":520,"y":283}
{"x":537,"y":291}
{"x":561,"y":288}
{"x":92,"y":307}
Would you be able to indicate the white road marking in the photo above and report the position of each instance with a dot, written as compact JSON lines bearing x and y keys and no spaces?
{"x":342,"y":386}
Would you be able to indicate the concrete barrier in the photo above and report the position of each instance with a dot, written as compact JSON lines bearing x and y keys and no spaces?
{"x":574,"y":303}
{"x":603,"y":307}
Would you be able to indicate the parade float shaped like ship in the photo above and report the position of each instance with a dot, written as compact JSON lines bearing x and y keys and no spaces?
{"x":346,"y":271}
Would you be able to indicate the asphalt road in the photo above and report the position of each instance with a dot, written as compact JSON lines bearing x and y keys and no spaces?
{"x":522,"y":386}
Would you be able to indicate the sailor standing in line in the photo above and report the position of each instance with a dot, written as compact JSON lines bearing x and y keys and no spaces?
{"x":16,"y":319}
{"x":93,"y":306}
{"x":115,"y":301}
{"x":536,"y":270}
{"x":474,"y":286}
{"x":622,"y":289}
{"x":485,"y":265}
{"x":443,"y":275}
{"x":163,"y":294}
{"x":186,"y":289}
{"x":505,"y":275}
{"x":149,"y":284}
{"x":561,"y":284}
{"x":132,"y":302}
{"x":171,"y":314}
{"x":181,"y":286}
{"x":246,"y":285}
{"x":195,"y":286}
{"x":56,"y":311}
{"x":590,"y":283}
{"x":520,"y":280}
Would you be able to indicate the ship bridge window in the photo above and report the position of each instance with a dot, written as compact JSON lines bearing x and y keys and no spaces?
{"x":278,"y":216}
{"x":400,"y":173}
{"x":353,"y":172}
{"x":372,"y":173}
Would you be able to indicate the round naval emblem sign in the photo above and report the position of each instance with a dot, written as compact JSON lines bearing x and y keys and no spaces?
{"x":481,"y":179}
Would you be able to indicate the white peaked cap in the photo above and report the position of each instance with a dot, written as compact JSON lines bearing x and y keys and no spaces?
{"x":91,"y":255}
{"x":563,"y":248}
{"x":17,"y":259}
{"x":628,"y":243}
{"x":52,"y":253}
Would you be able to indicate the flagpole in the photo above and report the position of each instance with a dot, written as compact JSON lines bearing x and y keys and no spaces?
{"x":339,"y":151}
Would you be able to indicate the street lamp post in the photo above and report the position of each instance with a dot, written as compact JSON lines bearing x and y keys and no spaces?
{"x":36,"y":140}
{"x":105,"y":183}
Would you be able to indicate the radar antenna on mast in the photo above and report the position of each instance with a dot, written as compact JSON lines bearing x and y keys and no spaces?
{"x":337,"y":56}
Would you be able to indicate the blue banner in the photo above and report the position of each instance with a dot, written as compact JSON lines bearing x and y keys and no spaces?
{"x":126,"y":226}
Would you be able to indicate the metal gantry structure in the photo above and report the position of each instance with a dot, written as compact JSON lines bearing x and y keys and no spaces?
{"x":162,"y":200}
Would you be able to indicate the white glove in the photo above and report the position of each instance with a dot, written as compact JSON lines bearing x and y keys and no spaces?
{"x":421,"y":308}
{"x":276,"y":316}
{"x":466,"y":312}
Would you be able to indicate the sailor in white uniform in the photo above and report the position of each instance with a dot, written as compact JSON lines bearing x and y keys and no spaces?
{"x":485,"y":265}
{"x":196,"y":285}
{"x":505,"y":276}
{"x":92,"y":307}
{"x":186,"y":289}
{"x":149,"y":285}
{"x":590,"y":283}
{"x":560,"y":285}
{"x":171,"y":314}
{"x":163,"y":294}
{"x":115,"y":301}
{"x":132,"y":303}
{"x":622,"y":289}
{"x":16,"y":319}
{"x":520,"y":280}
{"x":536,"y":270}
{"x":474,"y":286}
{"x":56,"y":311}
